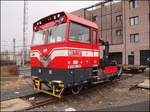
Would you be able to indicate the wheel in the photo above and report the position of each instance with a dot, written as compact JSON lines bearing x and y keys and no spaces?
{"x":76,"y":90}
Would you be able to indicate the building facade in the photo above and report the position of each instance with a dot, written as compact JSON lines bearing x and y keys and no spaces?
{"x":126,"y":25}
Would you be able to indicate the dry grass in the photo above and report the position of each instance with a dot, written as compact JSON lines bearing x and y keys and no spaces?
{"x":15,"y":84}
{"x":9,"y":70}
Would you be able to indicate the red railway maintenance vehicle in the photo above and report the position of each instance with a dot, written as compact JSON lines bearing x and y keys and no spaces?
{"x":65,"y":53}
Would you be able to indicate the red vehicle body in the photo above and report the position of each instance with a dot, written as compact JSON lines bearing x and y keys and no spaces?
{"x":65,"y":53}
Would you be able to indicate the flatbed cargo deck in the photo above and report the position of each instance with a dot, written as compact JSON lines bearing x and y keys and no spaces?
{"x":134,"y":68}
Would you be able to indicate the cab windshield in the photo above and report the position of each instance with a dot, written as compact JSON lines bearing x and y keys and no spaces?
{"x":54,"y":34}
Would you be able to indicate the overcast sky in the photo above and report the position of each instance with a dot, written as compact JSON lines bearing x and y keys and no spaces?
{"x":12,"y":17}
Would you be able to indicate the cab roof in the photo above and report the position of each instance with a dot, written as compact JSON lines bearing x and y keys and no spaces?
{"x":69,"y":16}
{"x":81,"y":20}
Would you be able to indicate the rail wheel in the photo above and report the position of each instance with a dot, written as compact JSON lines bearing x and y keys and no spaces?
{"x":76,"y":90}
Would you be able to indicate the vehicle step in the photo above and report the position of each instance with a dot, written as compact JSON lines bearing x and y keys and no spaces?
{"x":98,"y":82}
{"x":95,"y":70}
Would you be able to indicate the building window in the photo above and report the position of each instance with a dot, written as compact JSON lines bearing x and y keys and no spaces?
{"x":118,"y":33}
{"x":118,"y":18}
{"x":133,"y":3}
{"x":134,"y":38}
{"x":134,"y":20}
{"x":94,"y":18}
{"x":132,"y":52}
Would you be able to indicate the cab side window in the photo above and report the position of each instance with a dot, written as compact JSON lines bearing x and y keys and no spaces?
{"x":94,"y":37}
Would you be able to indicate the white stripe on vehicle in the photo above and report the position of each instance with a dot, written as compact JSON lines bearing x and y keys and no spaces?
{"x":64,"y":52}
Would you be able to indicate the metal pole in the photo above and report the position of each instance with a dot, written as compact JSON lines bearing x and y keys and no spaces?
{"x":106,"y":26}
{"x":14,"y":50}
{"x":23,"y":53}
{"x":111,"y":21}
{"x":101,"y":20}
{"x":124,"y":27}
{"x":149,"y":23}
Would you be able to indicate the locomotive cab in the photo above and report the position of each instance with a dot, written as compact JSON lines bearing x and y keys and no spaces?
{"x":64,"y":53}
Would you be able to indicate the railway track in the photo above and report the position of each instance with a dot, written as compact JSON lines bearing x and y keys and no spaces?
{"x":43,"y":103}
{"x":42,"y":99}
